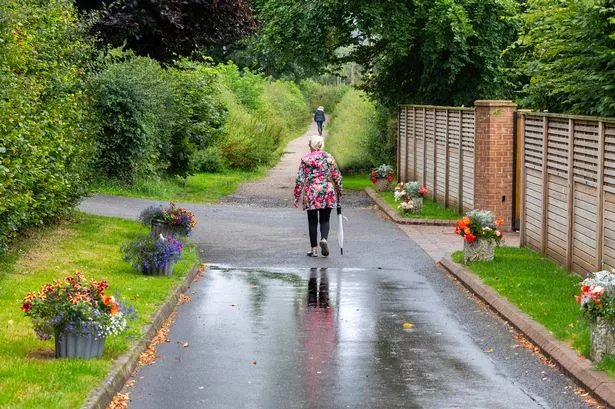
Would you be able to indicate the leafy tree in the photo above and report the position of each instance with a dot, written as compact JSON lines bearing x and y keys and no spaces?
{"x":165,"y":29}
{"x":567,"y":50}
{"x":430,"y":51}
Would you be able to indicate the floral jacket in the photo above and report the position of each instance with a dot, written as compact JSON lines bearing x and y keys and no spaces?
{"x":316,"y":177}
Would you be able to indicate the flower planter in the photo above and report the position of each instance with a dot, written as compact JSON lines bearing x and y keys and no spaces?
{"x":418,"y":205}
{"x":166,"y":270}
{"x":478,"y":250}
{"x":383,"y":185}
{"x":79,"y":346}
{"x":602,"y":338}
{"x":167,"y":229}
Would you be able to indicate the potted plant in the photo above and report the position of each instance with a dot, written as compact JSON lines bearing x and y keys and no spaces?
{"x":77,"y":313}
{"x":153,"y":254}
{"x":597,"y":303}
{"x":479,"y":229}
{"x":382,"y":176}
{"x":168,"y":221}
{"x":411,"y":196}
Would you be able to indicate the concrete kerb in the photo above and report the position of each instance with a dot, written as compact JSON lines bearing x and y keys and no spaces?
{"x":599,"y":383}
{"x":394,"y":216}
{"x":124,"y":366}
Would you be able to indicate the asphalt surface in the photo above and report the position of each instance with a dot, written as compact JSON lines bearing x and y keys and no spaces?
{"x":268,"y":327}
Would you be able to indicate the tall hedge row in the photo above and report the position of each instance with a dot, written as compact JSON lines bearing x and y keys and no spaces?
{"x":45,"y":143}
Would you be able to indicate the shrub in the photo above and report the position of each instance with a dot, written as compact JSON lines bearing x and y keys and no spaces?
{"x":196,"y":118}
{"x":350,"y":129}
{"x":317,"y":94}
{"x":209,"y":160}
{"x":46,"y":142}
{"x":131,"y":100}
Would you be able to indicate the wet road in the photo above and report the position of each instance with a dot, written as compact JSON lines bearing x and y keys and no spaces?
{"x":268,"y":327}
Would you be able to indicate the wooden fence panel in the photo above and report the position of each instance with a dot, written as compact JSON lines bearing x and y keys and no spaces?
{"x":441,"y":156}
{"x":402,"y":141}
{"x":419,"y":144}
{"x":467,"y":163}
{"x":429,"y":153}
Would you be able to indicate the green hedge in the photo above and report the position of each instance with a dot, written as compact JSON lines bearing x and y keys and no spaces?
{"x":45,"y":142}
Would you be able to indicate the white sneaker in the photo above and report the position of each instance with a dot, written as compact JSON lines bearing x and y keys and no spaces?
{"x":324,"y":247}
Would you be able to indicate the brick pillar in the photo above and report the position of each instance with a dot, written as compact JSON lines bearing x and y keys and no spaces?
{"x":493,"y":159}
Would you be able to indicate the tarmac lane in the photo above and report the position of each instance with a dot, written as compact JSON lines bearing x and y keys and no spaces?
{"x":268,"y":327}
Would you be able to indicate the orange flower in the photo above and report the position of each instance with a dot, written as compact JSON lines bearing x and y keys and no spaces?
{"x":114,"y":309}
{"x":461,"y":225}
{"x":467,"y":231}
{"x":499,"y":222}
{"x":466,"y":220}
{"x":469,"y":237}
{"x":108,"y":300}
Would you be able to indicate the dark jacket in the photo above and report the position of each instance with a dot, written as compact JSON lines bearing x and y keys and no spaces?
{"x":319,"y":116}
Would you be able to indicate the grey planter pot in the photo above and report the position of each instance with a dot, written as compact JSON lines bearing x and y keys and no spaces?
{"x":79,"y":346}
{"x":479,"y":250}
{"x":383,"y":185}
{"x":167,"y":229}
{"x":166,"y":270}
{"x":602,"y":338}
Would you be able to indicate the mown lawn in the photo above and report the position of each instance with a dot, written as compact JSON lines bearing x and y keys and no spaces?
{"x":543,"y":290}
{"x":30,"y":375}
{"x":431,"y":209}
{"x":199,"y":188}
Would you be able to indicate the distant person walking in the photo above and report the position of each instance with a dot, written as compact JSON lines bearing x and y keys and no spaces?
{"x":319,"y":118}
{"x":318,"y":179}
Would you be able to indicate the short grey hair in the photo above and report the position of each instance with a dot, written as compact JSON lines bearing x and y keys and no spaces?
{"x":317,"y":142}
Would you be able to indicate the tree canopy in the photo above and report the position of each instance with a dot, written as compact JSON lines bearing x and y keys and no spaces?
{"x":432,"y":51}
{"x":165,"y":29}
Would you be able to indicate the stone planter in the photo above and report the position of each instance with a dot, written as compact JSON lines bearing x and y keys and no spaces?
{"x":167,"y":229}
{"x":79,"y":346}
{"x":418,"y":205}
{"x":602,"y":338}
{"x":383,"y":185}
{"x":478,"y":250}
{"x":166,"y":270}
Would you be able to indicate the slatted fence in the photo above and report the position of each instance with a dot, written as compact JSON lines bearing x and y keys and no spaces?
{"x":568,"y":189}
{"x":436,"y":148}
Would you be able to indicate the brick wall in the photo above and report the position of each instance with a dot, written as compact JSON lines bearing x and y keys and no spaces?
{"x":493,"y":159}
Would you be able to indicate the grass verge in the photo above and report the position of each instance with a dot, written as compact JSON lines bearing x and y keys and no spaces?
{"x":31,"y":376}
{"x":543,"y":290}
{"x":199,"y":188}
{"x":356,"y":181}
{"x":431,"y":209}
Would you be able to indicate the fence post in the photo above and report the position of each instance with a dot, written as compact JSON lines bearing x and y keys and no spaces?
{"x":570,"y":216}
{"x":493,"y":159}
{"x":600,"y":207}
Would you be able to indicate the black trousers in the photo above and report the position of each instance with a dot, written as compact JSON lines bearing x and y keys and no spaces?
{"x":315,"y":217}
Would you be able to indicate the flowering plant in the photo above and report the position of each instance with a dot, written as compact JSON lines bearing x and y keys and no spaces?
{"x":382,"y":172}
{"x":75,"y":305}
{"x":152,"y":251}
{"x":409,"y":190}
{"x":479,"y":224}
{"x":173,"y":215}
{"x":597,"y":297}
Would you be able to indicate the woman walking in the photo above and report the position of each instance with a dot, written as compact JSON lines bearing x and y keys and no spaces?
{"x":319,"y":179}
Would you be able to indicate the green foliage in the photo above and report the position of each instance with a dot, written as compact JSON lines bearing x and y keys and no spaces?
{"x":209,"y":160}
{"x":129,"y":95}
{"x":196,"y":118}
{"x":350,"y":130}
{"x":262,"y":116}
{"x":566,"y":54}
{"x":318,"y":94}
{"x":431,"y":209}
{"x":45,"y":140}
{"x":438,"y":52}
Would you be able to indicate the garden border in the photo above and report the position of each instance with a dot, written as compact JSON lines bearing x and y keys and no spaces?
{"x":125,"y":365}
{"x":599,"y":383}
{"x":394,"y":216}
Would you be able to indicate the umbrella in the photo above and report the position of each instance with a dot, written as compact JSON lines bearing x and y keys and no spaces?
{"x":340,"y":233}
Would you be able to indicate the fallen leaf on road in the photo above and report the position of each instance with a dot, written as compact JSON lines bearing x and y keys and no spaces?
{"x":408,"y":325}
{"x":184,"y":299}
{"x":119,"y":401}
{"x":253,"y":362}
{"x":488,"y":350}
{"x":233,"y":305}
{"x":185,"y":344}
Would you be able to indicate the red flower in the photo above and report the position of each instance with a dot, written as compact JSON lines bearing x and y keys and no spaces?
{"x":461,"y":225}
{"x":469,"y":237}
{"x":390,"y":178}
{"x":373,"y":179}
{"x":422,"y":191}
{"x":26,"y":307}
